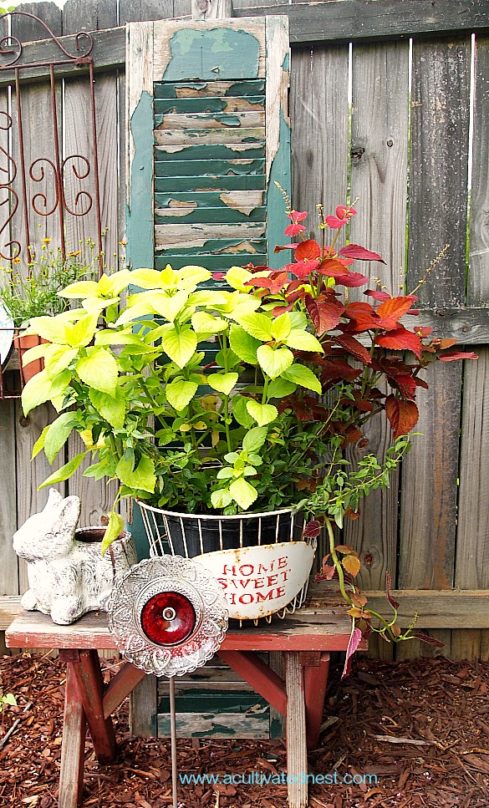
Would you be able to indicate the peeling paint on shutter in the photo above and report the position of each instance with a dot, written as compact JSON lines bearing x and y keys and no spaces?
{"x":209,"y":138}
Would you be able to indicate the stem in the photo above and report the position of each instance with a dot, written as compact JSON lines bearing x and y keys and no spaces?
{"x":336,"y":561}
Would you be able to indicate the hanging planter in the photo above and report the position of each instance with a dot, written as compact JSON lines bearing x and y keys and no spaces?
{"x":259,"y":559}
{"x":23,"y":342}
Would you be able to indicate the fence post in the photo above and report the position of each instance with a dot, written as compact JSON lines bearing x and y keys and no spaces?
{"x":211,"y":9}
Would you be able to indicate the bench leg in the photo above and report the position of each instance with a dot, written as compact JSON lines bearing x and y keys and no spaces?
{"x":91,"y":688}
{"x":73,"y":746}
{"x":296,"y":732}
{"x":315,"y":684}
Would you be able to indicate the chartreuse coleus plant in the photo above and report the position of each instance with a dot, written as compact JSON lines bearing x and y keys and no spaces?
{"x":222,"y":400}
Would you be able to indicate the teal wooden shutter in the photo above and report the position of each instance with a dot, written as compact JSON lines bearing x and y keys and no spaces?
{"x":209,"y":139}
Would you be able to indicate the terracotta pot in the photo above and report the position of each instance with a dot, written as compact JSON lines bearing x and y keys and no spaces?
{"x":23,"y":343}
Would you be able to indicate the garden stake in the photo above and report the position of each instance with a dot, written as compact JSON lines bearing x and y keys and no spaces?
{"x":173,"y":734}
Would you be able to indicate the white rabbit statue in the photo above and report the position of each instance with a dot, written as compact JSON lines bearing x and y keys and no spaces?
{"x":67,"y":576}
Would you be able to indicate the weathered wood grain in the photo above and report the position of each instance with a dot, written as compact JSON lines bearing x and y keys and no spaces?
{"x":36,"y":630}
{"x":196,"y":235}
{"x":202,"y":89}
{"x":141,"y":10}
{"x":242,"y":120}
{"x":320,"y":141}
{"x":379,"y":149}
{"x":211,"y":9}
{"x":296,"y":732}
{"x":352,"y":20}
{"x":9,"y":608}
{"x":227,"y":136}
{"x":216,"y":725}
{"x":96,"y":497}
{"x":144,"y":708}
{"x":473,"y":525}
{"x":9,"y":583}
{"x":236,"y":53}
{"x":440,"y":70}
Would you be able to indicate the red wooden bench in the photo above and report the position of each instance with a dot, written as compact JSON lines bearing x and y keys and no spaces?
{"x":305,"y":639}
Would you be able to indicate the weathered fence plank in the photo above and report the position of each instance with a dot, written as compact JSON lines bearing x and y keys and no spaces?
{"x":352,"y":20}
{"x":441,"y":71}
{"x":319,"y":111}
{"x":9,"y":584}
{"x":473,"y":525}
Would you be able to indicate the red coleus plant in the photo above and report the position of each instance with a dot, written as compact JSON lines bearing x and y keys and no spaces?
{"x":363,"y":341}
{"x":366,"y":347}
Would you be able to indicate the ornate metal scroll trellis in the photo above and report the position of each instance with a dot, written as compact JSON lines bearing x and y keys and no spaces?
{"x":57,"y":185}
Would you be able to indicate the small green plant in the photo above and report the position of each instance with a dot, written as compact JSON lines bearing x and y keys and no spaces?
{"x":9,"y":699}
{"x":33,"y":290}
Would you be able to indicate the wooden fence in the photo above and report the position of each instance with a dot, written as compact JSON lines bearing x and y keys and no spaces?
{"x":390,"y":106}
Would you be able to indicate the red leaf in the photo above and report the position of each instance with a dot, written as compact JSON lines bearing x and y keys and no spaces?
{"x":393,"y":309}
{"x":294,"y":229}
{"x":400,"y":340}
{"x":332,"y":268}
{"x":303,"y":268}
{"x":274,"y":283}
{"x":325,"y":312}
{"x":353,"y":644}
{"x":363,"y":317}
{"x":351,"y":279}
{"x":405,"y":383}
{"x":307,"y":250}
{"x":427,"y":638}
{"x":337,"y":369}
{"x":312,"y":529}
{"x":360,"y":253}
{"x":377,"y":294}
{"x":278,"y":248}
{"x":402,"y":415}
{"x":355,"y":348}
{"x":453,"y":357}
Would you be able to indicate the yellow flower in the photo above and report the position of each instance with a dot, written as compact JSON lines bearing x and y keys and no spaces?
{"x":16,"y":260}
{"x":74,"y":253}
{"x":46,"y":240}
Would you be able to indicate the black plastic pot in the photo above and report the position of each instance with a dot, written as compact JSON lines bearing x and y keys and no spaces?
{"x":190,"y":535}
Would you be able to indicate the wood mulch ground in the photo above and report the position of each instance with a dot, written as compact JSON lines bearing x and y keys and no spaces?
{"x":420,"y":727}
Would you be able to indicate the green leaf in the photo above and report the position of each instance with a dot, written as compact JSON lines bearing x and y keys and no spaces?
{"x":9,"y":698}
{"x":98,"y":369}
{"x":111,"y":408}
{"x":222,"y":382}
{"x":281,"y":327}
{"x":243,"y":344}
{"x":243,"y":493}
{"x":237,"y":277}
{"x":303,"y":341}
{"x":62,"y":474}
{"x":58,"y":433}
{"x":114,"y":529}
{"x":304,"y":377}
{"x":50,"y":328}
{"x":221,"y":498}
{"x":41,"y":388}
{"x":258,"y":325}
{"x":39,"y":444}
{"x":280,"y":388}
{"x":262,"y":413}
{"x":142,"y":477}
{"x":204,"y":323}
{"x":255,"y":438}
{"x":58,"y":359}
{"x":81,"y":289}
{"x":146,"y":278}
{"x":168,"y":306}
{"x":274,"y":361}
{"x":104,"y":468}
{"x":179,"y":393}
{"x":240,"y":411}
{"x":80,"y":334}
{"x":179,"y":344}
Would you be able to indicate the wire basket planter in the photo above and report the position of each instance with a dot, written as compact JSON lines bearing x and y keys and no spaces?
{"x":247,"y":545}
